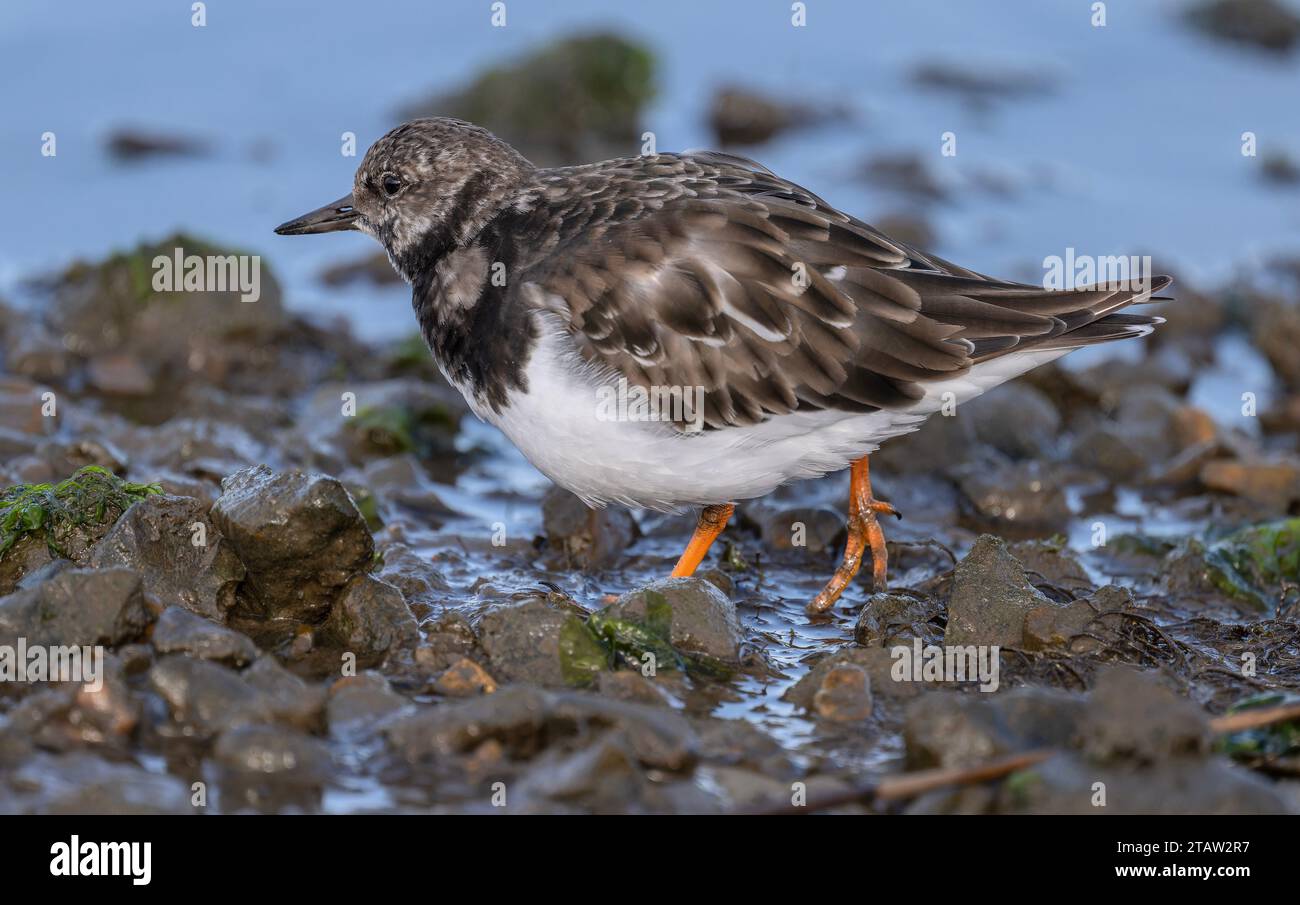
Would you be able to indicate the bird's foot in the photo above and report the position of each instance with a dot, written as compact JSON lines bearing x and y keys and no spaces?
{"x":865,"y":534}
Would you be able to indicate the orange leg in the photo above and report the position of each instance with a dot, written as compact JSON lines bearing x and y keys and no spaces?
{"x":864,"y":531}
{"x":712,"y":520}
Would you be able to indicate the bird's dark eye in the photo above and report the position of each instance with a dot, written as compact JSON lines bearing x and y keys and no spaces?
{"x":392,"y":185}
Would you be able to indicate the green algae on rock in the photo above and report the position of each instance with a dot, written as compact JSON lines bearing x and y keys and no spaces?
{"x":92,"y":495}
{"x":576,"y":99}
{"x":1258,"y":565}
{"x":611,"y":636}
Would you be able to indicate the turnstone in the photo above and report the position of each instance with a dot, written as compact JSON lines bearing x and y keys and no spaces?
{"x":808,"y":336}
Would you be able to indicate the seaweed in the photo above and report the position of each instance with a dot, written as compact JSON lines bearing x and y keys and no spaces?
{"x":1276,"y":745}
{"x":601,"y":642}
{"x":394,"y":429}
{"x":1259,"y":565}
{"x":91,"y":495}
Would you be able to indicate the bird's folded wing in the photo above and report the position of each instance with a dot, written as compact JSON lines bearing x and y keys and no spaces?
{"x":709,"y":271}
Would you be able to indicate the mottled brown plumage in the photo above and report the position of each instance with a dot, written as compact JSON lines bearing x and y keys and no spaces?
{"x":682,"y":270}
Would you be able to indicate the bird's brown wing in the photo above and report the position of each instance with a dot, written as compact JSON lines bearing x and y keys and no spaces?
{"x":709,"y":271}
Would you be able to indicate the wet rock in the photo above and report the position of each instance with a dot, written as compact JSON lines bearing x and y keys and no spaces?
{"x":527,"y":720}
{"x":1279,"y":169}
{"x":112,"y":308}
{"x":261,"y":418}
{"x":464,"y":679}
{"x":991,"y":596}
{"x":401,"y":481}
{"x":371,"y":619}
{"x":23,"y":407}
{"x":960,"y":730}
{"x":77,"y":607}
{"x":892,"y":617}
{"x":205,"y":698}
{"x":703,"y":620}
{"x":740,"y":116}
{"x":359,"y":704}
{"x":15,"y":445}
{"x":299,"y":535}
{"x":195,"y":447}
{"x":584,"y":537}
{"x":844,"y":695}
{"x":69,"y":457}
{"x":1013,"y":495}
{"x":810,"y":529}
{"x":1252,"y":568}
{"x":136,"y":658}
{"x":128,"y":144}
{"x":875,"y":662}
{"x":1111,"y":450}
{"x":448,"y":640}
{"x":36,"y":353}
{"x":1264,"y":24}
{"x":579,"y":98}
{"x":1276,"y":332}
{"x":1018,"y":420}
{"x":373,"y":268}
{"x":602,"y":777}
{"x":421,"y":584}
{"x":1184,"y":467}
{"x":1131,"y":716}
{"x":290,"y":699}
{"x":175,"y":546}
{"x":748,"y":789}
{"x":101,"y":712}
{"x":981,"y":85}
{"x":719,"y":579}
{"x":386,"y":418}
{"x":906,"y":173}
{"x":1274,"y":482}
{"x":119,"y":375}
{"x":908,"y":228}
{"x":1051,"y":560}
{"x":1038,"y":717}
{"x":1068,"y":784}
{"x":522,"y":642}
{"x":273,"y":751}
{"x":1109,"y":383}
{"x":1051,"y":625}
{"x":1111,"y":598}
{"x":628,"y":685}
{"x":109,"y":712}
{"x":179,"y":631}
{"x":84,"y":784}
{"x":24,"y":559}
{"x":927,"y":451}
{"x":947,"y":730}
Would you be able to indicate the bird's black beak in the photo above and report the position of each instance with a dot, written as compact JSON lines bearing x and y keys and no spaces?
{"x":331,"y":218}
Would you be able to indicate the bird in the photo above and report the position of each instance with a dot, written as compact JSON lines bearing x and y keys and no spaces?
{"x":781,"y":338}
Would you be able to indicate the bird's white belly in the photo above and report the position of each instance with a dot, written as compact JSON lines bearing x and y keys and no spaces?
{"x":562,"y":430}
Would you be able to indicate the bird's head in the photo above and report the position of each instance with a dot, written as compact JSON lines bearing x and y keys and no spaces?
{"x":423,"y":189}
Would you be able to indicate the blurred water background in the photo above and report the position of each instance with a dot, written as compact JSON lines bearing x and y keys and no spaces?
{"x":1123,"y":139}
